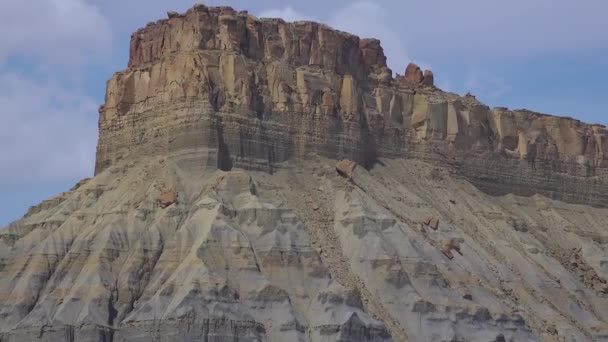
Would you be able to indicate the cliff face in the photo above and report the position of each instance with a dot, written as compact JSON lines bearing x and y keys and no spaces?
{"x":222,"y":86}
{"x":218,"y":211}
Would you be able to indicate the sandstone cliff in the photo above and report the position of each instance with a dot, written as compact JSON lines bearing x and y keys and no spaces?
{"x":246,"y":92}
{"x":216,"y":212}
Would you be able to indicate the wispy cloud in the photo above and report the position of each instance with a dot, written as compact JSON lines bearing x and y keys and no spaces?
{"x":63,"y":32}
{"x":48,"y":132}
{"x":286,"y":13}
{"x":49,"y":129}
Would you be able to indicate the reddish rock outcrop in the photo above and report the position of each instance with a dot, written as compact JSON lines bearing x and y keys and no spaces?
{"x":416,"y":77}
{"x":346,"y":168}
{"x":167,"y":198}
{"x":413,"y":74}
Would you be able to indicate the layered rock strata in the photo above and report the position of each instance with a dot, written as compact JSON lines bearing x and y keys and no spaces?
{"x":305,"y":254}
{"x":223,"y":85}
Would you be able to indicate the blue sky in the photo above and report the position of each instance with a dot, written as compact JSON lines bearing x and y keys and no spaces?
{"x":56,"y":55}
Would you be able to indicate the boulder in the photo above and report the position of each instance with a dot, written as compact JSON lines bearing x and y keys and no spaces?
{"x":167,"y":198}
{"x":346,"y":168}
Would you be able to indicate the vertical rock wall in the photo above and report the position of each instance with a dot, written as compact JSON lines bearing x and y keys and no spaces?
{"x":218,"y":88}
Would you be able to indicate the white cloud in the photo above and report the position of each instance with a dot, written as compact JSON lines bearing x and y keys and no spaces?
{"x":49,"y":129}
{"x":48,"y":133}
{"x":53,"y":31}
{"x":287,"y":14}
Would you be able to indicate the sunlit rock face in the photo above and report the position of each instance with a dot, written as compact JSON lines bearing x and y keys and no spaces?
{"x":258,"y":180}
{"x":223,"y":85}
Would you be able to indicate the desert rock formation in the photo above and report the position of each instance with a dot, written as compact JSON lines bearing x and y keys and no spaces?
{"x":258,"y":180}
{"x":252,"y":93}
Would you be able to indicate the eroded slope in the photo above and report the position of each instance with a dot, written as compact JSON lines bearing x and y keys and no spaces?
{"x":304,"y":254}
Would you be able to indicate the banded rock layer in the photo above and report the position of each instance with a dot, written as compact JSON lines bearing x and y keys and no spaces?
{"x":303,"y":254}
{"x":222,"y":85}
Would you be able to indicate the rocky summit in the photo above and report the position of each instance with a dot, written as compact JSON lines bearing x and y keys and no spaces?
{"x":259,"y":180}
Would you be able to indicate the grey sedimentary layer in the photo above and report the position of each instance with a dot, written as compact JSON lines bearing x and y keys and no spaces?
{"x":302,"y":254}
